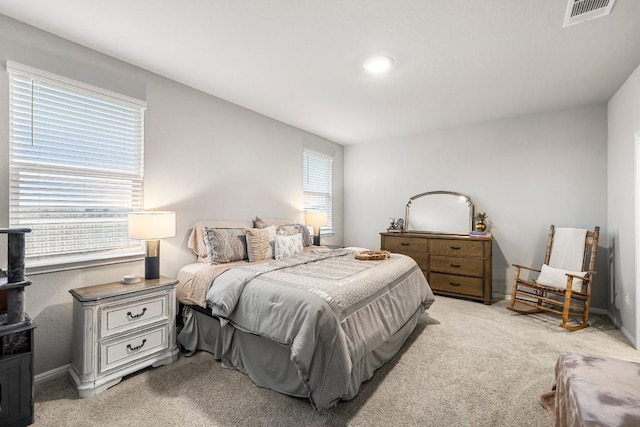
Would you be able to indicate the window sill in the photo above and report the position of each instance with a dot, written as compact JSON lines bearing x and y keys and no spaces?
{"x":53,"y":265}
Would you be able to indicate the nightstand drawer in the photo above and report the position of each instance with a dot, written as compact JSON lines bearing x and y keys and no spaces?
{"x":133,"y":313}
{"x":124,"y":350}
{"x":456,"y":284}
{"x":456,"y":248}
{"x":453,"y":265}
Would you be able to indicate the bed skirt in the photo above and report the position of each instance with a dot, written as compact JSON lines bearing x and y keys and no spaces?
{"x":267,"y":362}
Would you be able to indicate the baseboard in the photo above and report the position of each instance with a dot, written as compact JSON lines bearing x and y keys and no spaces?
{"x":53,"y":373}
{"x":630,"y":337}
{"x":624,"y":331}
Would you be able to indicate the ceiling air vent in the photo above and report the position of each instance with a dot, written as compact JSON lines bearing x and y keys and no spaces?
{"x":583,"y":10}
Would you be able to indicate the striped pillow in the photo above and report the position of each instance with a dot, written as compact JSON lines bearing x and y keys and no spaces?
{"x":260,"y":243}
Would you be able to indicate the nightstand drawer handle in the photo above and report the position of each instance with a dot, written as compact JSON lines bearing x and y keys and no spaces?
{"x":455,"y":248}
{"x":454,"y":284}
{"x":136,"y":316}
{"x":404,"y":244}
{"x":136,"y":348}
{"x":455,"y":265}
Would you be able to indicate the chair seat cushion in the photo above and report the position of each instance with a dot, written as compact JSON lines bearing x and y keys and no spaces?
{"x":556,"y":277}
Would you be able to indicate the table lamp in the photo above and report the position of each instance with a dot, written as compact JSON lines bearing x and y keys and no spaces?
{"x":152,"y":226}
{"x":316,"y":219}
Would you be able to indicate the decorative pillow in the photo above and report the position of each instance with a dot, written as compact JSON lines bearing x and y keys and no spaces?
{"x":260,"y":242}
{"x":265,"y":222}
{"x":198,"y":241}
{"x":291,"y":229}
{"x":288,"y":245}
{"x":556,"y":277}
{"x":225,"y":244}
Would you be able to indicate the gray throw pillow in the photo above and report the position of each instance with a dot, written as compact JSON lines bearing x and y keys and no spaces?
{"x":225,"y":244}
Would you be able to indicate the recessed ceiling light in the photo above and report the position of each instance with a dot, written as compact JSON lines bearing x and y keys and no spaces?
{"x":378,"y":64}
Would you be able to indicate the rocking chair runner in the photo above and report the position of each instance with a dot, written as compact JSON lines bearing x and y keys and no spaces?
{"x":570,"y":299}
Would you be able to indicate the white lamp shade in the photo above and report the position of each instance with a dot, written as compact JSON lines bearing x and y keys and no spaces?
{"x":151,"y":225}
{"x":316,"y":218}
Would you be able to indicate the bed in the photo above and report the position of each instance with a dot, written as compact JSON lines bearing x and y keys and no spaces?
{"x":314,"y":324}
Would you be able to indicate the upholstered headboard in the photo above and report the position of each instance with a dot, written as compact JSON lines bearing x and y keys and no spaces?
{"x":196,"y":240}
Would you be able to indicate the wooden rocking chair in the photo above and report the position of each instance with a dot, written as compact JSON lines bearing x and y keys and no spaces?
{"x":564,"y":284}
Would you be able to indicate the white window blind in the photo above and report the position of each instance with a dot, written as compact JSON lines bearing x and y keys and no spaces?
{"x":76,"y":167}
{"x":317,"y":183}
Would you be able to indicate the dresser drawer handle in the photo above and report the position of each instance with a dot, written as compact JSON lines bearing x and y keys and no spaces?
{"x":455,"y":248}
{"x":454,"y":284}
{"x":138,"y":347}
{"x":136,"y":316}
{"x":455,"y":265}
{"x":404,"y":244}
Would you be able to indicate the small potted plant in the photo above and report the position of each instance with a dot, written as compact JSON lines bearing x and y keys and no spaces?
{"x":480,"y":221}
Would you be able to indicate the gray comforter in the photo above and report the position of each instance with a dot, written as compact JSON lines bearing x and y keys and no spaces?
{"x":329,"y":308}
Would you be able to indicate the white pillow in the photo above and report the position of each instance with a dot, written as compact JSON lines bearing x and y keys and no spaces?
{"x":288,"y":245}
{"x":556,"y":277}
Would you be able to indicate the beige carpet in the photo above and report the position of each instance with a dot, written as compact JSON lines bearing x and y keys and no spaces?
{"x":466,"y":364}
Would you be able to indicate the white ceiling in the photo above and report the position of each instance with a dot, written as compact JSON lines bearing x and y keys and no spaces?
{"x":300,"y":61}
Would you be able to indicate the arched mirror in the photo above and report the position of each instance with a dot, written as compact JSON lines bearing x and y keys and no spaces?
{"x":439,"y":212}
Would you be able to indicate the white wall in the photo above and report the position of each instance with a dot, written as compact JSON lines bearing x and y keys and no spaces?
{"x":624,"y":123}
{"x":205,"y":158}
{"x":209,"y":159}
{"x":526,"y":172}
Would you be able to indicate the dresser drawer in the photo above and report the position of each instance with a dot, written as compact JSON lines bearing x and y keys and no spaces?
{"x":420,"y":258}
{"x":134,"y":313}
{"x":456,"y":284}
{"x":123,"y":350}
{"x":456,"y":247}
{"x":403,"y":244}
{"x":457,"y":265}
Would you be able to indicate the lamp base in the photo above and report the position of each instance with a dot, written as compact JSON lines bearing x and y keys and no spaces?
{"x":151,"y":267}
{"x":152,"y":259}
{"x":316,"y":240}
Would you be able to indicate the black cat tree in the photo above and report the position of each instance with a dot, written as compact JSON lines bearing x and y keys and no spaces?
{"x":14,"y":280}
{"x":16,"y":336}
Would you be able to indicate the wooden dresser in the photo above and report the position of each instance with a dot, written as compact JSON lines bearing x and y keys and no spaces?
{"x":454,"y":265}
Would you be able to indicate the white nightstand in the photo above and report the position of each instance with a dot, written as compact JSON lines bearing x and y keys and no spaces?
{"x":119,"y":329}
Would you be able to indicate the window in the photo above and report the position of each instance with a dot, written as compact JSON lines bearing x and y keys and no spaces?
{"x":76,"y":167}
{"x":317,"y":183}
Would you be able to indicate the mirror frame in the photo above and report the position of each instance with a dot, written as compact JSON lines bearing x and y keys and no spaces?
{"x":466,"y":198}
